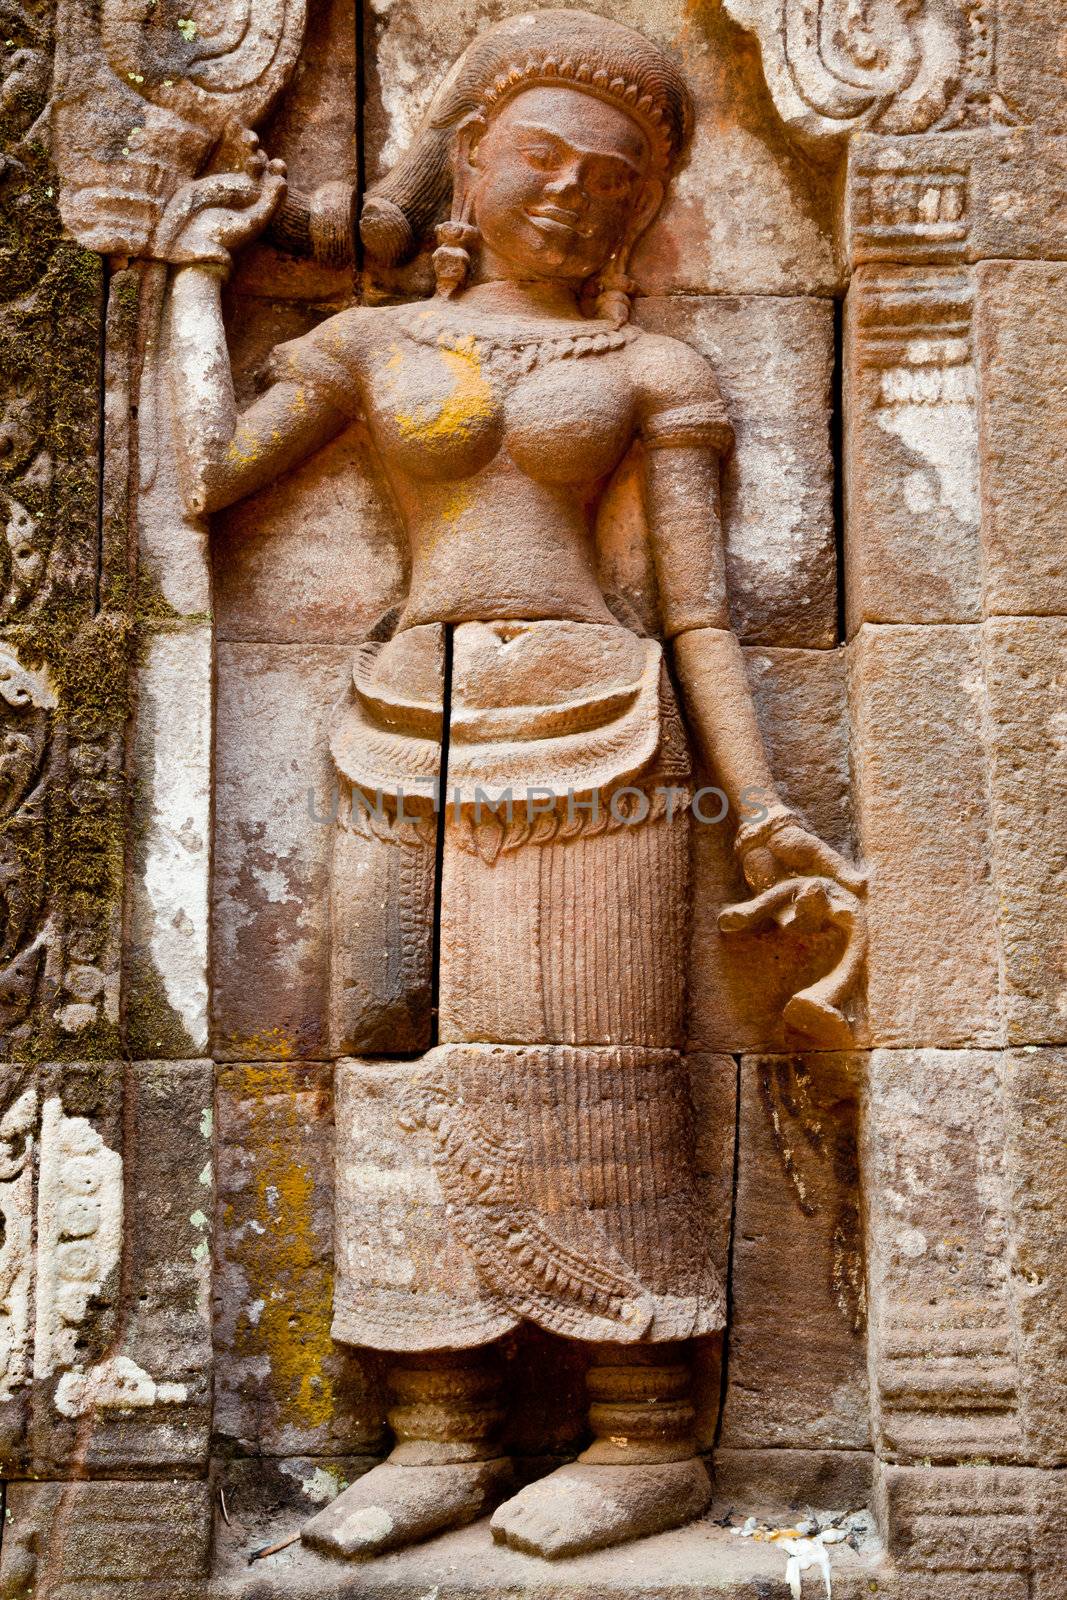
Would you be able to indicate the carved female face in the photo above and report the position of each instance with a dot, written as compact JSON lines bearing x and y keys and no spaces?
{"x":558,"y":181}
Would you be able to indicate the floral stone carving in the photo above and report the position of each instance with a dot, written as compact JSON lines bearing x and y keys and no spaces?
{"x":898,"y":66}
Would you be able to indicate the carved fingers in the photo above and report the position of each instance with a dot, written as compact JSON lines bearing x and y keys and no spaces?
{"x":810,"y":904}
{"x":218,"y":213}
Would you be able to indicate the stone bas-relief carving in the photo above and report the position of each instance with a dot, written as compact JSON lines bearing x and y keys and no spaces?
{"x":540,"y":1165}
{"x":496,"y":1064}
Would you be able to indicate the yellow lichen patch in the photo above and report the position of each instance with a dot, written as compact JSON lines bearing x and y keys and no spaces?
{"x":458,"y":500}
{"x":269,"y":1044}
{"x":278,"y":1239}
{"x":470,"y":401}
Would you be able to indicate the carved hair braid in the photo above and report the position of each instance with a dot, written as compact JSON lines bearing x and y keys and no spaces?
{"x":593,"y":54}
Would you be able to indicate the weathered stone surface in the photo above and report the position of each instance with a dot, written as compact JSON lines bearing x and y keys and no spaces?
{"x":739,"y":983}
{"x":965,"y":1171}
{"x":704,"y":1560}
{"x":911,"y":475}
{"x":994,"y":1527}
{"x":713,"y":1084}
{"x":1030,"y":61}
{"x":923,"y":827}
{"x":122,"y":1341}
{"x":773,"y":358}
{"x":316,"y":131}
{"x":173,"y":543}
{"x":1025,"y":659}
{"x":900,"y":73}
{"x":140,"y":1541}
{"x":747,"y":215}
{"x":277,"y":799}
{"x":956,"y":197}
{"x":1022,"y":361}
{"x":944,"y":1354}
{"x":282,"y":1387}
{"x":167,"y":950}
{"x":779,"y":1483}
{"x":18,"y":1131}
{"x":1036,"y":1163}
{"x":64,"y":648}
{"x":954,"y":594}
{"x":796,"y":1364}
{"x":315,"y":558}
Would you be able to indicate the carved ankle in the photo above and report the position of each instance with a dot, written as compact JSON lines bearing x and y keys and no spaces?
{"x":448,"y":1408}
{"x":640,"y":1409}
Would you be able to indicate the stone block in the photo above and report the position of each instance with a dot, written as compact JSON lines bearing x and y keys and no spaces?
{"x":316,"y":558}
{"x":944,"y":1349}
{"x":1025,"y":660}
{"x":1022,"y":361}
{"x":122,"y":1267}
{"x":283,"y":1386}
{"x":276,"y":802}
{"x":1035,"y":1082}
{"x":923,"y":829}
{"x":966,"y":1167}
{"x":88,"y":1541}
{"x":996,"y":1528}
{"x":167,"y":951}
{"x":911,"y":475}
{"x":796,"y":1359}
{"x":780,"y":1483}
{"x":773,"y":358}
{"x":747,"y":214}
{"x":1029,"y":52}
{"x":739,"y":983}
{"x":968,"y":195}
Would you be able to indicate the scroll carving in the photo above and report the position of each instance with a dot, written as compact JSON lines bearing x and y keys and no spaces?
{"x":143,"y":94}
{"x":26,"y":704}
{"x":896,"y":66}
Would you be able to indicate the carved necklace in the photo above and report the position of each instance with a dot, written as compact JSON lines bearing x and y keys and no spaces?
{"x":521,"y":350}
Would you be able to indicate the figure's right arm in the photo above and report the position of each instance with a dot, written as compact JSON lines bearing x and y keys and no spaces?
{"x":223,"y":454}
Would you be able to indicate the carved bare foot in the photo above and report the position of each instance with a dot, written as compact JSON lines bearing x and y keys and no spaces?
{"x":395,"y":1505}
{"x":585,"y":1507}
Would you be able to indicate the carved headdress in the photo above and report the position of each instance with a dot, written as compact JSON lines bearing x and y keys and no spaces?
{"x":572,"y":48}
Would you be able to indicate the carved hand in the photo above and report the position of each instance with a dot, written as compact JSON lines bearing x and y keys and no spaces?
{"x":804,"y":883}
{"x":784,"y":848}
{"x":216,"y":214}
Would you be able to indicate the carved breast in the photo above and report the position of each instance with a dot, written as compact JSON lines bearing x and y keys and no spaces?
{"x":569,"y":421}
{"x":444,"y":411}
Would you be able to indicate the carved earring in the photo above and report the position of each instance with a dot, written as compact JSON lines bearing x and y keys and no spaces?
{"x":614,"y":289}
{"x":451,"y":259}
{"x":457,"y":237}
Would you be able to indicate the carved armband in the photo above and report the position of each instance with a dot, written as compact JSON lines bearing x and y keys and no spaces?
{"x":701,"y":422}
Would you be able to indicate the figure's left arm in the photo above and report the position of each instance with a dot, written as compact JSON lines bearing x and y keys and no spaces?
{"x":685,"y":432}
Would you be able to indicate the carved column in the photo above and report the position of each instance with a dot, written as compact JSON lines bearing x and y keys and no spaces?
{"x":957,"y":640}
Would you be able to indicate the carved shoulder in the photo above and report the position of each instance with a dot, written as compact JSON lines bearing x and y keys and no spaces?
{"x":678,"y":395}
{"x":332,"y":357}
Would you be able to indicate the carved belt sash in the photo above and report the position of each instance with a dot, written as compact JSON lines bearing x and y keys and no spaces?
{"x":544,"y":715}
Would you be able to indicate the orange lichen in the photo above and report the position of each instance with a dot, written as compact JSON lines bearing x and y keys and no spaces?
{"x":280,"y":1249}
{"x":269,"y":1044}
